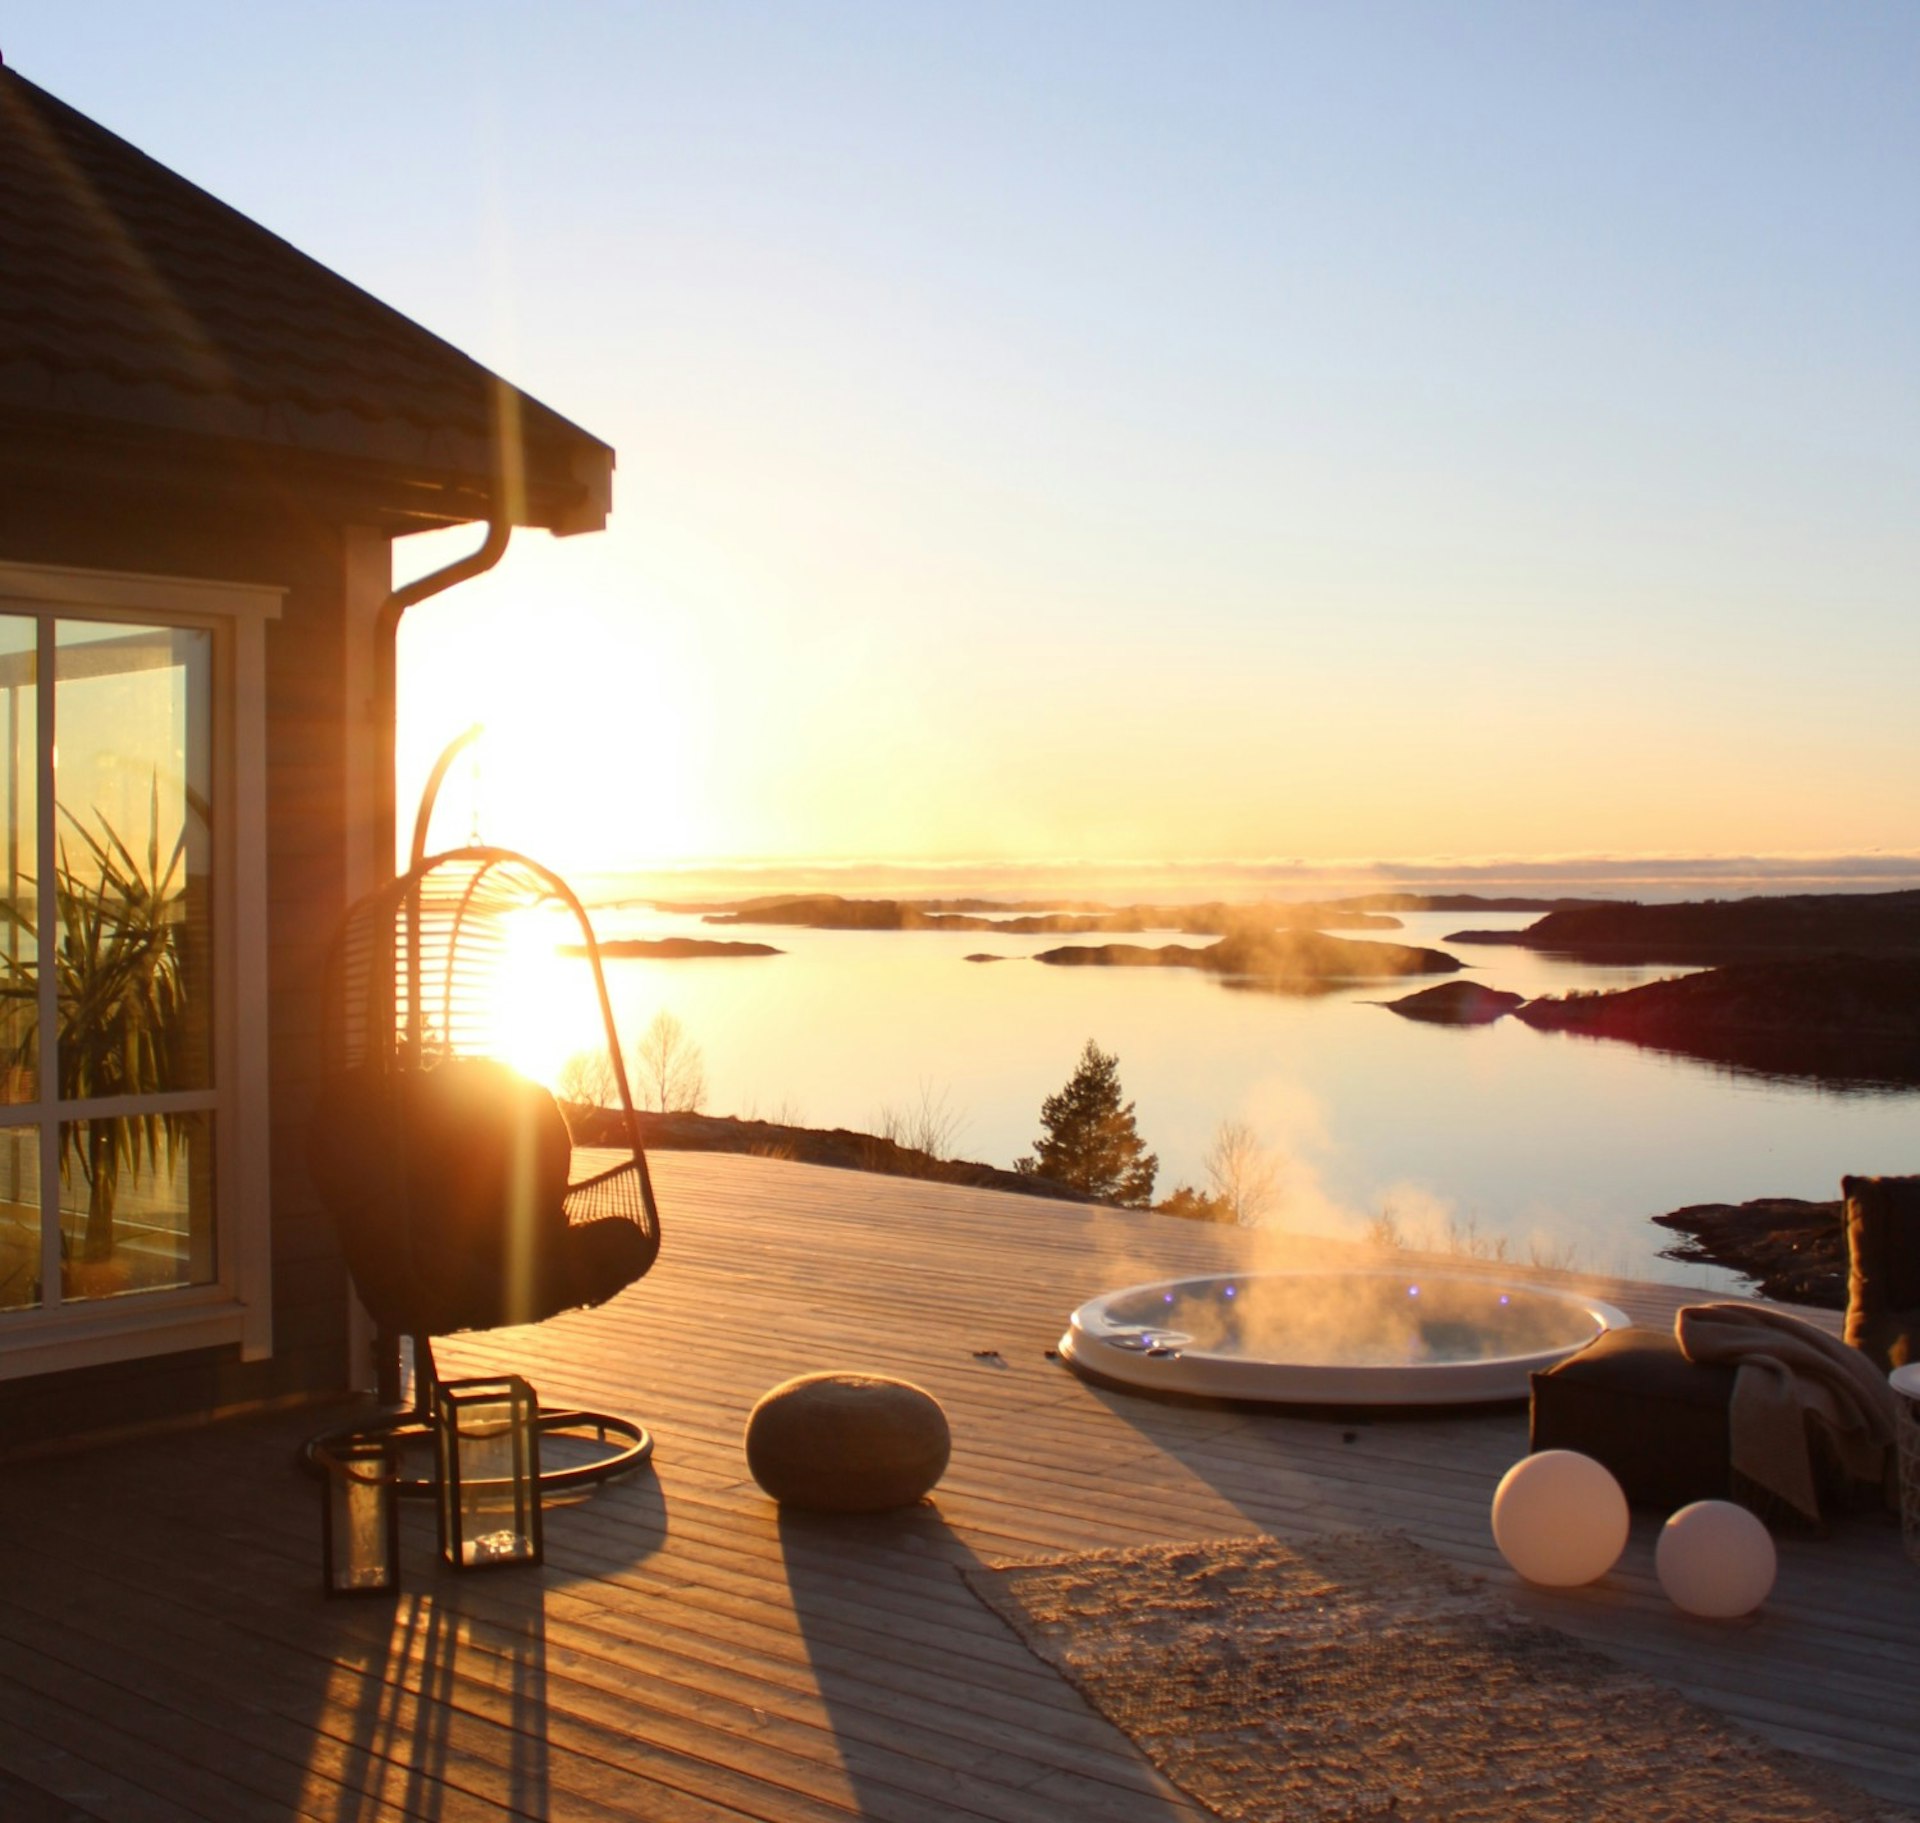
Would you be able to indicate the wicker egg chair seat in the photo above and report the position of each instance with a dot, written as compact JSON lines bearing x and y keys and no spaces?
{"x":459,"y":1197}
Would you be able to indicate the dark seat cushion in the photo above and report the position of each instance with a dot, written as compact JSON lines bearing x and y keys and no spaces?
{"x":1634,"y":1402}
{"x":1883,"y":1267}
{"x":449,"y":1189}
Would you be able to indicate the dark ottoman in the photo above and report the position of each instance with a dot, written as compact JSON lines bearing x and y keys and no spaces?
{"x":1634,"y":1402}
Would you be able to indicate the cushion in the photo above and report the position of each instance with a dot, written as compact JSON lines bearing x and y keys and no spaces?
{"x":449,"y":1188}
{"x":1631,"y":1400}
{"x":847,"y":1443}
{"x":1883,"y":1267}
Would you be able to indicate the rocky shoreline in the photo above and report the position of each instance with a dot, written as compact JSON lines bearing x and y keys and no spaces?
{"x":835,"y":1146}
{"x":1795,"y":1252}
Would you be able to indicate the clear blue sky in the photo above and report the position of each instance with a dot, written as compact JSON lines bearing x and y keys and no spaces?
{"x":1148,"y":431}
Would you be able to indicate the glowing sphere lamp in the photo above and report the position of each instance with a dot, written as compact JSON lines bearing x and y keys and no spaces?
{"x":1560,"y":1518}
{"x":1715,"y":1559}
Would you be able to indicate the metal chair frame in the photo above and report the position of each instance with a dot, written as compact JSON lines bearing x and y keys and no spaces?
{"x":408,"y":985}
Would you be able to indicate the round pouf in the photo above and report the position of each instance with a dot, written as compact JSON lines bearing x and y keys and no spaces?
{"x":1715,"y":1559}
{"x":847,"y":1443}
{"x":1560,"y":1518}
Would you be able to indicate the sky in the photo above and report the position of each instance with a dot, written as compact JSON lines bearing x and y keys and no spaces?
{"x":1190,"y":433}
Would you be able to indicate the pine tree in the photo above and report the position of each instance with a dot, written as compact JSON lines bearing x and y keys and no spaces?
{"x":1090,"y":1142}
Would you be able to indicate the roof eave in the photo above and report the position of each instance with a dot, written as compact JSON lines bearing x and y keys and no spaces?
{"x":462,"y":487}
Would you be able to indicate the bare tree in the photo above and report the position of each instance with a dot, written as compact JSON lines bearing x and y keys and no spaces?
{"x":930,"y":1125}
{"x":1242,"y":1173}
{"x":668,"y":1074}
{"x":587,"y":1080}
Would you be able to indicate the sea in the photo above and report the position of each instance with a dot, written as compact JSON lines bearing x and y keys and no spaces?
{"x":1496,"y":1141}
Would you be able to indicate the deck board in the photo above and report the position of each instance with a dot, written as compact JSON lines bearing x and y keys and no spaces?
{"x":690,"y":1653}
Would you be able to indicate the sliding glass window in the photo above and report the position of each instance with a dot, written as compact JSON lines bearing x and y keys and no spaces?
{"x":109,"y":1058}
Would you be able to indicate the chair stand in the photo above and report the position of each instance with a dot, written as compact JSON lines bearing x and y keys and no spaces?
{"x":629,"y":1443}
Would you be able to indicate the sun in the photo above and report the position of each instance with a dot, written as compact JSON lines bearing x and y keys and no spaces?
{"x":586,"y":761}
{"x":545,"y":1016}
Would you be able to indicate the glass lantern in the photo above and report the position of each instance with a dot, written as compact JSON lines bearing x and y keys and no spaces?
{"x":360,"y":1517}
{"x":486,"y":1439}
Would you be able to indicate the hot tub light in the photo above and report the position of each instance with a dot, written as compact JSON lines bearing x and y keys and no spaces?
{"x":1229,"y":1291}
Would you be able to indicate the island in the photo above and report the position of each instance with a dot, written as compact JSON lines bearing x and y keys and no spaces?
{"x":1273,"y":958}
{"x":671,"y":949}
{"x":830,"y":911}
{"x":1456,"y":1003}
{"x":1842,"y":1020}
{"x":1707,"y":932}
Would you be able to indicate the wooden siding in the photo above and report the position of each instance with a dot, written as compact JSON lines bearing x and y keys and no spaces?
{"x":689,"y":1652}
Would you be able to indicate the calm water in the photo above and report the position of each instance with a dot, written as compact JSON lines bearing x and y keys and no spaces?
{"x":1560,"y":1147}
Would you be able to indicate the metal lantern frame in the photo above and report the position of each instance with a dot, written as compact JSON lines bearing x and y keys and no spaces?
{"x":516,"y":1413}
{"x":358,"y":1467}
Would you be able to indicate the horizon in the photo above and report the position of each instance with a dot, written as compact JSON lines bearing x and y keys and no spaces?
{"x":1139,"y":881}
{"x":1130,"y":433}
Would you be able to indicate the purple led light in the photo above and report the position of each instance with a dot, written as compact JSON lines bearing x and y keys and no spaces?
{"x":1229,"y":1291}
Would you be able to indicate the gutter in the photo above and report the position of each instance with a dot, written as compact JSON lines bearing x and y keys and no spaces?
{"x":387,"y":658}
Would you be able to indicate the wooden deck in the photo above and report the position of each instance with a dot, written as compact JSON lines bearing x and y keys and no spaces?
{"x":688,"y":1653}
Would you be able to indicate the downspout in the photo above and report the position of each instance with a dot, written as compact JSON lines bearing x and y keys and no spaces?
{"x":387,"y":661}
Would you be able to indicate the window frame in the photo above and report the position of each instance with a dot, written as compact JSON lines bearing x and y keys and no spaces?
{"x":237,"y":1306}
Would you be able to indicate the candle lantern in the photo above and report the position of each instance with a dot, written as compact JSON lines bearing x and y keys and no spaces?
{"x":360,"y":1517}
{"x":486,"y":1436}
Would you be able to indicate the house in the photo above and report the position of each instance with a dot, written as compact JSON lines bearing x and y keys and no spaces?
{"x":208,"y":444}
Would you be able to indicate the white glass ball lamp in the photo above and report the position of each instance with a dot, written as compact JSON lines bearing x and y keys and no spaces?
{"x":1715,"y":1559}
{"x":1560,"y":1518}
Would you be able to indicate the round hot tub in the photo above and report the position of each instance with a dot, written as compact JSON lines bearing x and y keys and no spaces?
{"x":1370,"y":1337}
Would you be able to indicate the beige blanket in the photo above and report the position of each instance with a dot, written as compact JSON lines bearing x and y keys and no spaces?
{"x":1793,"y":1376}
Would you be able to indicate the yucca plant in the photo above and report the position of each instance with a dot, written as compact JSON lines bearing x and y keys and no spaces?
{"x":121,"y":1000}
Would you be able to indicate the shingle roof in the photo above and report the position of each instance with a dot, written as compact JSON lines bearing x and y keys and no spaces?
{"x":131,"y":301}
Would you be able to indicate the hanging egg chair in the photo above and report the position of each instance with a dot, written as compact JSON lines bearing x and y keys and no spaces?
{"x":459,"y":1196}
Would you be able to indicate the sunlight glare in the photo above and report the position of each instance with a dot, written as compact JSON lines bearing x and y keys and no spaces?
{"x":546,"y":1011}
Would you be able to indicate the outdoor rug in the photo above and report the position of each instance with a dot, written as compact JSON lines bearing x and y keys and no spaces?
{"x":1361,"y":1676}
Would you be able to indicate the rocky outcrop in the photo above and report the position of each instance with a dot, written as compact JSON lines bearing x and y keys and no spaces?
{"x":1792,"y":1250}
{"x":1457,"y":1003}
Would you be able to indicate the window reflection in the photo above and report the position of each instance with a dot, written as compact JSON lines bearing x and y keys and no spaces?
{"x":19,"y":943}
{"x":106,"y":883}
{"x":136,"y":1204}
{"x":19,"y":1217}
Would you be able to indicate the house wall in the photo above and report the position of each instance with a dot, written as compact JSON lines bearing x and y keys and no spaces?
{"x":316,"y":817}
